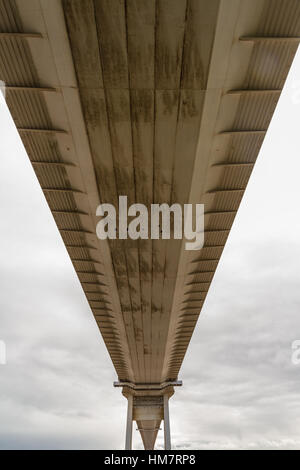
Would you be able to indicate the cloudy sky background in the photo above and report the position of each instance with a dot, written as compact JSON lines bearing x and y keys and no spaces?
{"x":241,"y":389}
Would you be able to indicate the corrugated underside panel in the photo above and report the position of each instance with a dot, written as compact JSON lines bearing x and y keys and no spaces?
{"x":268,"y":68}
{"x":29,"y":111}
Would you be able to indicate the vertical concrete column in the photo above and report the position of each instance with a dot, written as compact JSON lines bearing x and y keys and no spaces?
{"x":128,"y":441}
{"x":167,"y":423}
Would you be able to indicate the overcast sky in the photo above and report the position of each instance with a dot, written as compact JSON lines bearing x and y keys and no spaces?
{"x":240,"y":390}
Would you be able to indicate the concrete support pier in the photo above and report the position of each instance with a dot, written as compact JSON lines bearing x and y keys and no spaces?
{"x":148,"y":406}
{"x":167,"y":433}
{"x":128,"y":441}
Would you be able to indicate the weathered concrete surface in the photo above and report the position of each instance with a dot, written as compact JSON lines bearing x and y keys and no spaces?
{"x":162,"y":101}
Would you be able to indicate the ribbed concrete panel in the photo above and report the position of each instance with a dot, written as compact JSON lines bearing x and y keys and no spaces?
{"x":162,"y":101}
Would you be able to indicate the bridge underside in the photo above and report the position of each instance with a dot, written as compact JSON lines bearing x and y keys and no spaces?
{"x":164,"y":101}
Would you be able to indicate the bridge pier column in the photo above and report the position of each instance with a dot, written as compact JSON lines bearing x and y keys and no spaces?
{"x":167,"y":433}
{"x":128,"y":441}
{"x":148,"y":405}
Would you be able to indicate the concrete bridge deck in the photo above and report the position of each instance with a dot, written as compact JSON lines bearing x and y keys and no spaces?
{"x":160,"y":100}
